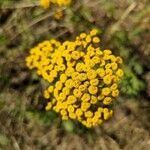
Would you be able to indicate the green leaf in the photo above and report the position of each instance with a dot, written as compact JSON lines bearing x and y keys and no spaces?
{"x":68,"y":126}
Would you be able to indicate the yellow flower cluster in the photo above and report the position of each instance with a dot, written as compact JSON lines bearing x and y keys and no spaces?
{"x":83,"y":78}
{"x":46,"y":3}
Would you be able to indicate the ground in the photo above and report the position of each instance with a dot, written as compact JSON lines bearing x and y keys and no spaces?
{"x":24,"y":124}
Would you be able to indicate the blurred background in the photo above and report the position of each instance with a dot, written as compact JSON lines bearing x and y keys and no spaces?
{"x":124,"y":28}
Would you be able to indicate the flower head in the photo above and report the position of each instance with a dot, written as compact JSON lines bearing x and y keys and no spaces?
{"x":46,"y":3}
{"x":83,"y":79}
